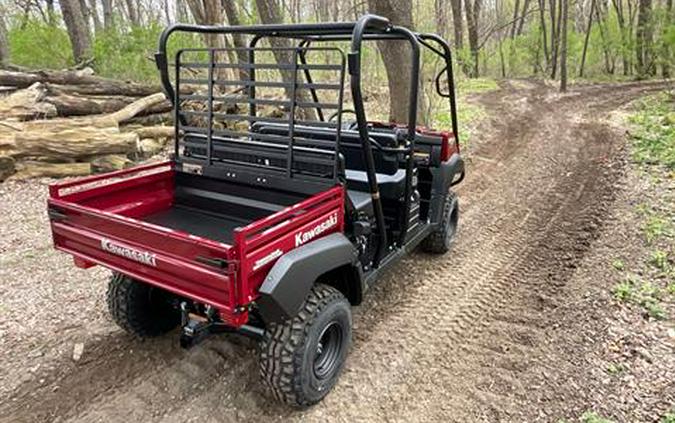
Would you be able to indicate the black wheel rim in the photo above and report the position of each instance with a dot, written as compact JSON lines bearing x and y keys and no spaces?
{"x":327,"y":350}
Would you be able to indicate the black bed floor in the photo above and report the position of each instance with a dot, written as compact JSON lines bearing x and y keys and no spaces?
{"x":213,"y":226}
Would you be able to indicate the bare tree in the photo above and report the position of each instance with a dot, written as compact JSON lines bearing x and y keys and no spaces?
{"x":472,"y":20}
{"x":514,"y":25}
{"x":586,"y":38}
{"x":644,"y":40}
{"x":77,"y":29}
{"x":666,"y":53}
{"x":563,"y":46}
{"x":441,"y":17}
{"x":108,"y":19}
{"x":624,"y":29}
{"x":457,"y":23}
{"x":521,"y":21}
{"x":4,"y":45}
{"x":542,"y":23}
{"x":132,"y":10}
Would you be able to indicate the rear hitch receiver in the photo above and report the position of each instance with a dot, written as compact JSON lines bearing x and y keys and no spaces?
{"x":196,"y":327}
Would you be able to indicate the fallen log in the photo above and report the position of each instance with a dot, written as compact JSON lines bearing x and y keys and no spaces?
{"x":80,"y":79}
{"x":76,"y":138}
{"x":153,"y":131}
{"x":50,"y":170}
{"x":27,"y":104}
{"x":76,"y":105}
{"x":109,"y":163}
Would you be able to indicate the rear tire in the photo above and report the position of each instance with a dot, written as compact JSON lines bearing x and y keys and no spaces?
{"x":141,"y":309}
{"x":302,"y":358}
{"x":440,"y":241}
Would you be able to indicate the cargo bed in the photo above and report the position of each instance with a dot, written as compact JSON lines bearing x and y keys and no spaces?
{"x":206,"y":239}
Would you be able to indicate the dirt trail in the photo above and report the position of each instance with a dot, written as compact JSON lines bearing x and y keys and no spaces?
{"x":464,"y":337}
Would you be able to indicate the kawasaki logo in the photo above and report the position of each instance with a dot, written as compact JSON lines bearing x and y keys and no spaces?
{"x":139,"y":256}
{"x":303,"y":237}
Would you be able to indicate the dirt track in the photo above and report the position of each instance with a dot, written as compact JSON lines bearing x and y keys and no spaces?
{"x":476,"y":335}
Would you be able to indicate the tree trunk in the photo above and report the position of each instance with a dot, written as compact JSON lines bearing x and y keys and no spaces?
{"x":555,"y":48}
{"x":4,"y":44}
{"x":209,"y":12}
{"x":472,"y":19}
{"x":108,"y":18}
{"x":586,"y":38}
{"x":395,"y":55}
{"x":270,"y":13}
{"x":609,"y":61}
{"x":521,"y":21}
{"x":457,"y":23}
{"x":441,"y":17}
{"x":644,"y":40}
{"x":554,"y":44}
{"x":93,"y":12}
{"x":133,"y":13}
{"x":665,"y":65}
{"x":563,"y":47}
{"x":542,"y":23}
{"x":77,"y":29}
{"x":237,"y":39}
{"x":514,"y":24}
{"x":623,"y":31}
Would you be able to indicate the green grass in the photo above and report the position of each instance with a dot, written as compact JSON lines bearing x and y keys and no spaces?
{"x":654,"y":134}
{"x":614,"y":369}
{"x":618,"y":264}
{"x":655,"y":224}
{"x":476,"y":85}
{"x":624,"y":290}
{"x":669,"y":417}
{"x":592,"y":417}
{"x":644,"y":294}
{"x":660,"y":260}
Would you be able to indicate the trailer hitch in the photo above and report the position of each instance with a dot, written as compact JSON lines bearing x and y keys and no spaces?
{"x":196,"y":327}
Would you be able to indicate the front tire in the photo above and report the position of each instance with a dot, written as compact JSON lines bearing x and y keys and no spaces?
{"x":141,"y":309}
{"x":302,"y":358}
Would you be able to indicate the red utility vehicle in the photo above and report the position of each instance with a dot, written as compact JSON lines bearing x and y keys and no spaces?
{"x":270,"y":225}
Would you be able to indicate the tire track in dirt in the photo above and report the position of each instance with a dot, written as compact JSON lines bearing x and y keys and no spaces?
{"x":439,"y":337}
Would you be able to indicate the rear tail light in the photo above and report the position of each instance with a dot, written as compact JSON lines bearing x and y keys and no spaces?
{"x":448,"y":145}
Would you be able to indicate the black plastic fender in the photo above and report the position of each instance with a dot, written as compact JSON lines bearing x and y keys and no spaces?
{"x":443,"y":177}
{"x":293,"y":275}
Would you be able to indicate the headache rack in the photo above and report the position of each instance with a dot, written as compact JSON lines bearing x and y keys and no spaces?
{"x":257,"y":153}
{"x":229,"y":127}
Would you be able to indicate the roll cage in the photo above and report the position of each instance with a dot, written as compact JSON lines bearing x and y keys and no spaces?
{"x":368,"y":27}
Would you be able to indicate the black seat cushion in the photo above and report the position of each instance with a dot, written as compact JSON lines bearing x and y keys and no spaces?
{"x":391,"y":186}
